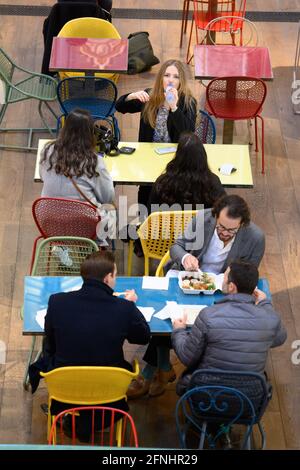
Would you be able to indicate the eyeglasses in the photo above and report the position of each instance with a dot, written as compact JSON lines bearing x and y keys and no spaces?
{"x":231,"y":231}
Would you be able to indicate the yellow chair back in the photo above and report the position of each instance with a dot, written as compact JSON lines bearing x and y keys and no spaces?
{"x":87,"y":385}
{"x":158,"y":233}
{"x":89,"y":28}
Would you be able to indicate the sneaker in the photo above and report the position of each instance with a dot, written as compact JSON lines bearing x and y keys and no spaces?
{"x":159,"y":384}
{"x":138,"y":388}
{"x":63,"y":254}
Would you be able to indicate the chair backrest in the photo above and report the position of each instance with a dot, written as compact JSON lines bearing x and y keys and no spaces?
{"x":56,"y":217}
{"x":89,"y":28}
{"x":206,"y":10}
{"x":108,"y":426}
{"x":61,"y":256}
{"x":205,"y":128}
{"x":6,"y":67}
{"x":224,"y":397}
{"x":236,"y":97}
{"x":234,"y":30}
{"x":97,"y":95}
{"x":89,"y":385}
{"x":158,"y":232}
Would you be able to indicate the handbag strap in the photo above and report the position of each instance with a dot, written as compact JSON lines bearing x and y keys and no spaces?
{"x":82,"y":193}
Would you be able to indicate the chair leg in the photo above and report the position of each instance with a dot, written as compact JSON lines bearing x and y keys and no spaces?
{"x":249,"y":125}
{"x":130,"y":256}
{"x":183,"y":21}
{"x":256,"y":136}
{"x":202,"y":436}
{"x":43,"y":118}
{"x":188,"y":59}
{"x":263,"y":435}
{"x":262,"y":144}
{"x":247,"y":439}
{"x":146,"y":266}
{"x":29,"y":361}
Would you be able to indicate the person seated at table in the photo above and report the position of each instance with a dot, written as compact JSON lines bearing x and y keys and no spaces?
{"x":166,"y":110}
{"x":72,"y":158}
{"x":235,"y":333}
{"x":228,"y":236}
{"x":187,"y":178}
{"x":88,"y":327}
{"x":218,"y":236}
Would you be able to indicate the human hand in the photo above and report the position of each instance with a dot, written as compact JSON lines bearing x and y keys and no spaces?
{"x":141,"y":95}
{"x":190,"y":263}
{"x":180,"y":322}
{"x":259,"y":295}
{"x":131,"y":295}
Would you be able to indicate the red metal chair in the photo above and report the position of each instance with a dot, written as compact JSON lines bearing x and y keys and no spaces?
{"x":184,"y":19}
{"x":56,"y":217}
{"x":105,"y":427}
{"x":207,"y":10}
{"x":236,"y":98}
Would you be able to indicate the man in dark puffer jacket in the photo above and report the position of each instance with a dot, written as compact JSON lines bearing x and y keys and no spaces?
{"x":233,"y":334}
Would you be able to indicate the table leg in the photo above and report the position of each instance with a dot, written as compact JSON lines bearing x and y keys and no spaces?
{"x":228,"y":131}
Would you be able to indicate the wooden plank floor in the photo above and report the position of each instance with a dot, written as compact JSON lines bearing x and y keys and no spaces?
{"x":274,"y":202}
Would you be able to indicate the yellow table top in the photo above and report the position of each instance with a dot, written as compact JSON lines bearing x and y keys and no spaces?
{"x":144,"y":165}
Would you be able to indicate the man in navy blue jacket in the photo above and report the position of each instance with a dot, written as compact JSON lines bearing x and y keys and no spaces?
{"x":88,"y":327}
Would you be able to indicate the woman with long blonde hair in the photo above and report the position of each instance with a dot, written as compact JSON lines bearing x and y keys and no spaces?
{"x":166,"y":110}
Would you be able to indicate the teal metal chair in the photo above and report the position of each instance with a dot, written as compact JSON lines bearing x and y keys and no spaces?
{"x":32,"y":85}
{"x":58,"y":256}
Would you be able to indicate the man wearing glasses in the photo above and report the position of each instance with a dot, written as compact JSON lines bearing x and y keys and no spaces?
{"x":226,"y":234}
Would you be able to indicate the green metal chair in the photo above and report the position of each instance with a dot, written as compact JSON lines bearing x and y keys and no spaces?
{"x":32,"y":85}
{"x":58,"y":256}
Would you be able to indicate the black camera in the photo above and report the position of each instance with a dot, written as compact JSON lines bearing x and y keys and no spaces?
{"x":106,"y":141}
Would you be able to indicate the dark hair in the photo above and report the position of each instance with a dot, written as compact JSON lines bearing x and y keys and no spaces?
{"x":244,"y":276}
{"x":73,"y":153}
{"x":187,"y":178}
{"x":98,"y":265}
{"x":236,"y":207}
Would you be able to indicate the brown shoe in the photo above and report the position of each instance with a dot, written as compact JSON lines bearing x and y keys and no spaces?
{"x":138,"y":388}
{"x":158,"y":385}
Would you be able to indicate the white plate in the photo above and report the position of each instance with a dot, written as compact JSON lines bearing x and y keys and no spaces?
{"x":196,"y":275}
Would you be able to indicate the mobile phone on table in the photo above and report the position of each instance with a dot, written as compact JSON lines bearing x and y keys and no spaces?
{"x":127,"y":150}
{"x":163,"y":150}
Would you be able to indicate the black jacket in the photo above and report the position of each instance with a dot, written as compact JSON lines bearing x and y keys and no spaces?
{"x":182,"y":119}
{"x":88,"y":328}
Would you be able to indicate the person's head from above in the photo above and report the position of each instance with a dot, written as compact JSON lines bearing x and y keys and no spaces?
{"x":190,"y":155}
{"x":240,"y":278}
{"x":74,"y":149}
{"x":100,"y":266}
{"x":231,"y":213}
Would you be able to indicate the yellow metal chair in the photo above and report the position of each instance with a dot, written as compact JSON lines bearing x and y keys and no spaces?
{"x":157,"y":234}
{"x":87,"y":385}
{"x":89,"y":28}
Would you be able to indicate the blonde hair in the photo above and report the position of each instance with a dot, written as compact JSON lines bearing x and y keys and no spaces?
{"x":157,"y":96}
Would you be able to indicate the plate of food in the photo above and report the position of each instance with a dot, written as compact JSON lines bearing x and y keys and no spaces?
{"x":193,"y":282}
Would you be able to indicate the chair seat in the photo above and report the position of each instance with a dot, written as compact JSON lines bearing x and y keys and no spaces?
{"x":97,"y":107}
{"x":234,"y":109}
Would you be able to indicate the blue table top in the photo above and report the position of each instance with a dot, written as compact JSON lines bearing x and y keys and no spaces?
{"x":37,"y":291}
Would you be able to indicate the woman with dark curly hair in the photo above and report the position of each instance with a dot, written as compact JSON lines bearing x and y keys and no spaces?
{"x":187,"y":178}
{"x":73,"y":155}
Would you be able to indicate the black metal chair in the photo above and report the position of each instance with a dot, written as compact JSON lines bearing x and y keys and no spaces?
{"x":222,"y":399}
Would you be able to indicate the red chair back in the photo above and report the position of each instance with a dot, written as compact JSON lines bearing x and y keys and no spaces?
{"x":235,"y":97}
{"x":65,"y":217}
{"x":207,"y":10}
{"x":105,"y":427}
